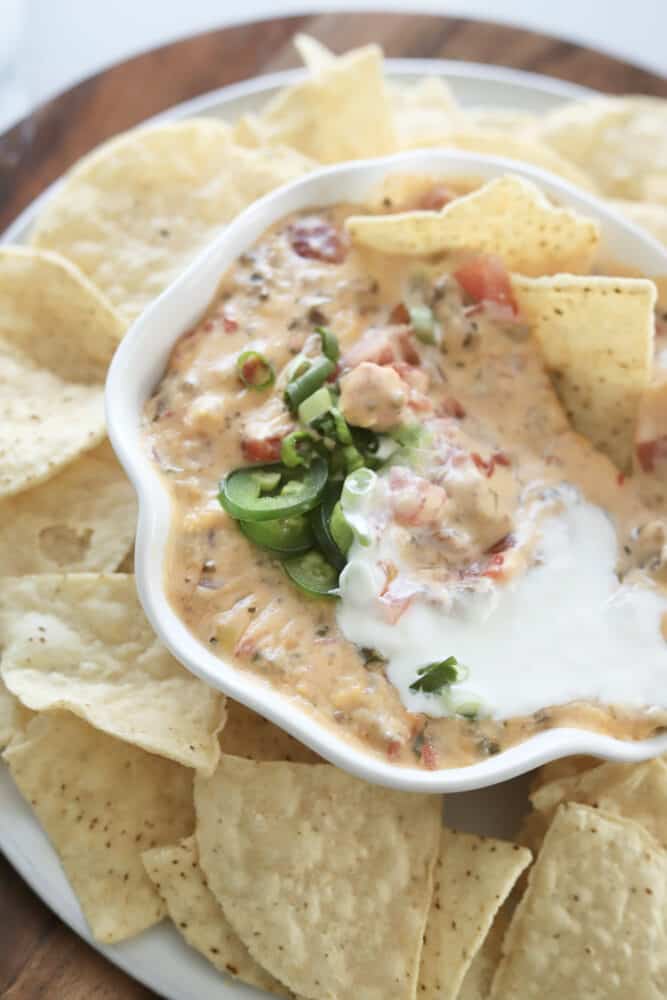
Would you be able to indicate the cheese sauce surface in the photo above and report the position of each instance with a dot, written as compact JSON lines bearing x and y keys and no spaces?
{"x":491,"y":532}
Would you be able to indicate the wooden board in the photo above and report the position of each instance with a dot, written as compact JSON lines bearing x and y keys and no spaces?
{"x":40,"y":957}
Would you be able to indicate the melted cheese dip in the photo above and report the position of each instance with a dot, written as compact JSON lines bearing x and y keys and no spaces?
{"x":498,"y":536}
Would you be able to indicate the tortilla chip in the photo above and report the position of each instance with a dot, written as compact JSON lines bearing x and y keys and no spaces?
{"x":315,"y":56}
{"x":422,"y":111}
{"x":621,"y":142}
{"x":81,"y":642}
{"x":508,"y":216}
{"x":325,"y":878}
{"x":478,"y":978}
{"x":57,"y":336}
{"x":473,"y":877}
{"x":193,"y":908}
{"x":564,"y":767}
{"x":633,"y":791}
{"x":596,"y":336}
{"x":248,"y":735}
{"x":13,"y":716}
{"x":83,"y":519}
{"x":340,"y":113}
{"x":520,"y":148}
{"x":651,"y":217}
{"x":102,"y":803}
{"x":501,"y":119}
{"x":136,"y":211}
{"x":591,"y":923}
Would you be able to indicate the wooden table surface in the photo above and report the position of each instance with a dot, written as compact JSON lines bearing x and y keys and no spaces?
{"x":40,"y":958}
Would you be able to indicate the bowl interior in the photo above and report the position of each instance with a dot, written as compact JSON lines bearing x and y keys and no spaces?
{"x":138,"y":367}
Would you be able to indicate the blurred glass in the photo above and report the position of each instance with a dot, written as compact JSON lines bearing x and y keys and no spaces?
{"x":15,"y":122}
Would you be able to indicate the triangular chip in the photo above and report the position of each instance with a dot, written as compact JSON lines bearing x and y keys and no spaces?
{"x":596,"y":336}
{"x":315,"y":56}
{"x":479,"y":977}
{"x":621,"y":142}
{"x":57,"y":336}
{"x":175,"y":873}
{"x":508,"y":216}
{"x":13,"y":716}
{"x":341,"y":112}
{"x":83,"y":519}
{"x":422,"y":110}
{"x":592,"y":921}
{"x":325,"y":878}
{"x":136,"y":211}
{"x":248,"y":735}
{"x":102,"y":803}
{"x":81,"y":642}
{"x":563,"y":767}
{"x":634,"y":791}
{"x":473,"y":877}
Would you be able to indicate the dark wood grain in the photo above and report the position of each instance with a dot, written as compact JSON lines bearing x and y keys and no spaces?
{"x":40,"y":959}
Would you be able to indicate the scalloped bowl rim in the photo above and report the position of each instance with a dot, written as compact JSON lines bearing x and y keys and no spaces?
{"x":138,"y":366}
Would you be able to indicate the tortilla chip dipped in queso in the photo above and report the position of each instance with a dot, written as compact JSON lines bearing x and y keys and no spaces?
{"x":408,"y":427}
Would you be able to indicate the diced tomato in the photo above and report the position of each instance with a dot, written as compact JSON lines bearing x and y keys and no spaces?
{"x":451,"y":408}
{"x":249,"y":371}
{"x":481,"y":463}
{"x":208,"y":326}
{"x":318,"y":239}
{"x":502,"y":545}
{"x":429,"y":756}
{"x":500,"y":458}
{"x":620,"y":478}
{"x":489,"y":467}
{"x":393,"y":749}
{"x":436,"y":198}
{"x":262,"y":449}
{"x":409,"y":352}
{"x":494,"y":568}
{"x":399,"y":315}
{"x":230,"y":325}
{"x":650,"y":453}
{"x":485,"y":279}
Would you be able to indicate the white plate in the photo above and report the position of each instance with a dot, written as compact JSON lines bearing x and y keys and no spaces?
{"x":159,"y":958}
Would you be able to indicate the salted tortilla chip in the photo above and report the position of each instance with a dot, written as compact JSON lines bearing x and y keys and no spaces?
{"x":136,"y":211}
{"x":13,"y":716}
{"x":564,"y":767}
{"x":633,"y":791}
{"x":422,"y":111}
{"x":501,"y":119}
{"x":621,"y":142}
{"x":498,"y":142}
{"x":342,"y":112}
{"x":315,"y":56}
{"x":508,"y":216}
{"x":81,"y":642}
{"x":591,"y":923}
{"x":596,"y":336}
{"x":83,"y":519}
{"x":326,"y":879}
{"x":248,"y":735}
{"x":57,"y":336}
{"x":479,"y":977}
{"x":651,"y":217}
{"x":196,"y":914}
{"x":473,"y":877}
{"x":101,"y":803}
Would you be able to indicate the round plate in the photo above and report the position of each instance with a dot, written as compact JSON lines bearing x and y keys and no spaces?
{"x":159,"y":958}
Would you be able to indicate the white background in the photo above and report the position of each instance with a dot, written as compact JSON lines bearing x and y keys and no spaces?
{"x":66,"y":40}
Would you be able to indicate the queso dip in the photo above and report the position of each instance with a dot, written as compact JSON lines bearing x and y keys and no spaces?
{"x":380,"y":506}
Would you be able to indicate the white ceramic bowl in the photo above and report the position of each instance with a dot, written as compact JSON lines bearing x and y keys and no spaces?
{"x":138,"y":367}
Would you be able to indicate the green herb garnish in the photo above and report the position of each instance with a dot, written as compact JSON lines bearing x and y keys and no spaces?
{"x":435,"y":676}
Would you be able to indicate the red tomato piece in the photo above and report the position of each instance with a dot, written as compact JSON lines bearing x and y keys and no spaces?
{"x":262,"y":449}
{"x":650,"y":453}
{"x":318,"y":239}
{"x":399,"y":315}
{"x":485,"y":279}
{"x":452,"y":408}
{"x":429,"y":756}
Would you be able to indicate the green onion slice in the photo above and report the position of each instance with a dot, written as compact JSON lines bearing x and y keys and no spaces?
{"x":315,"y":405}
{"x":330,"y":346}
{"x":286,"y":536}
{"x":302,"y":386}
{"x":312,"y":574}
{"x":422,"y":322}
{"x":298,"y":448}
{"x":297,"y":491}
{"x":254,"y":370}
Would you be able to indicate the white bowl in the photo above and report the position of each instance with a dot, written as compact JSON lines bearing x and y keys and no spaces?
{"x":138,"y":366}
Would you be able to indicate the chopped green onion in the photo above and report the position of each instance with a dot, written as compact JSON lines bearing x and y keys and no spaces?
{"x":330,"y":347}
{"x":358,"y":485}
{"x":302,"y":386}
{"x":312,"y":573}
{"x":240,"y":494}
{"x":315,"y":405}
{"x":422,"y":322}
{"x":254,"y":370}
{"x":435,"y":676}
{"x":298,"y":448}
{"x":466,"y":707}
{"x":353,"y":458}
{"x":340,"y":530}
